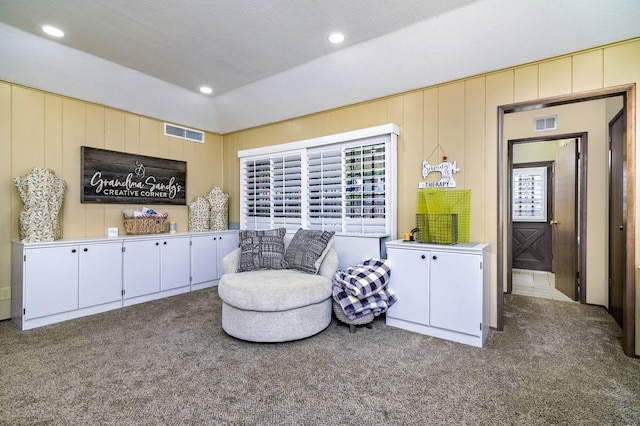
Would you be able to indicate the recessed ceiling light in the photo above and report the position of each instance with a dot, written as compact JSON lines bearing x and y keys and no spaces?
{"x":336,"y":38}
{"x":52,"y":31}
{"x":206,"y":90}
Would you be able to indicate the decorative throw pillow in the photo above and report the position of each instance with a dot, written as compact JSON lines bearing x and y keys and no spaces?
{"x":307,"y":249}
{"x":262,"y":249}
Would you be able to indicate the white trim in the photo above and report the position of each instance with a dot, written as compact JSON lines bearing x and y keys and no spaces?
{"x":388,"y":133}
{"x":384,"y":129}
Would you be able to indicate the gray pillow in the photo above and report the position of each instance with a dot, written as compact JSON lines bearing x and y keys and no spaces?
{"x":262,"y":249}
{"x":307,"y":249}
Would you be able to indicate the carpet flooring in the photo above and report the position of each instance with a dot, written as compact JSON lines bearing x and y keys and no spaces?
{"x":169,"y":362}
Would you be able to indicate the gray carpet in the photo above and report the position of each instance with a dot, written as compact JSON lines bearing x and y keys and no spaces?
{"x":169,"y":362}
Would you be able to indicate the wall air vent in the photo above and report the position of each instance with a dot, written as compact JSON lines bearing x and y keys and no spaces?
{"x":183,"y":133}
{"x":544,"y":124}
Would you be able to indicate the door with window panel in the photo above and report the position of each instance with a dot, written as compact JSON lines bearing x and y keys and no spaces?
{"x":531,"y":231}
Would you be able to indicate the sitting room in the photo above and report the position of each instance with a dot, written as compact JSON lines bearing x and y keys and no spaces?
{"x":239,"y":212}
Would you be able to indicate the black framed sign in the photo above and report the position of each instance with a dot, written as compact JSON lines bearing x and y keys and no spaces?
{"x":121,"y":178}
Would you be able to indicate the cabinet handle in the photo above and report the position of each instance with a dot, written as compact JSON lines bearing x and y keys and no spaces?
{"x":73,"y":250}
{"x":85,"y":249}
{"x":165,"y":243}
{"x":157,"y":243}
{"x":435,"y":257}
{"x":423,"y":256}
{"x":215,"y":238}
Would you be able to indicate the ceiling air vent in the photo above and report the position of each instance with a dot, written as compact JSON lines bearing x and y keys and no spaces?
{"x":543,"y":124}
{"x":183,"y":133}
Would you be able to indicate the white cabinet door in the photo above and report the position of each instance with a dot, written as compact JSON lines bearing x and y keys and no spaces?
{"x":100,"y":274}
{"x":207,"y":252}
{"x":141,"y":267}
{"x":204,"y":262}
{"x":50,"y":281}
{"x":456,"y":292}
{"x":410,"y":281}
{"x":175,"y":263}
{"x":226,"y":244}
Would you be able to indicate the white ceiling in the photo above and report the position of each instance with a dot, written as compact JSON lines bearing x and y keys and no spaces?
{"x":270,"y":60}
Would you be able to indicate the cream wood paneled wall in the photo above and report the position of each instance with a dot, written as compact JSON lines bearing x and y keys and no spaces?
{"x":40,"y":129}
{"x":460,"y":116}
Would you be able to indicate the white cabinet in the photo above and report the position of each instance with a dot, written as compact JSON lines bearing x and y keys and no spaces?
{"x":55,"y":282}
{"x":155,"y":268}
{"x":141,"y":268}
{"x":100,"y":274}
{"x":455,"y":293}
{"x":41,"y":277}
{"x":442,"y":291}
{"x":65,"y":279}
{"x":175,"y":263}
{"x":207,"y":251}
{"x":409,"y":270}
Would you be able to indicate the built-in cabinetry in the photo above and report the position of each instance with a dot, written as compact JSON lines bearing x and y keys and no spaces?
{"x":66,"y":279}
{"x":155,"y":268}
{"x":204,"y":272}
{"x":442,"y":290}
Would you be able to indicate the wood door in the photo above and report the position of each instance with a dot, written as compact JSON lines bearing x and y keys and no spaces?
{"x":617,"y":242}
{"x":531,"y":246}
{"x":565,"y":244}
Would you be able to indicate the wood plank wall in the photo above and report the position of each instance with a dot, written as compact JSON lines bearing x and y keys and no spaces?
{"x":461,"y":117}
{"x":40,"y":129}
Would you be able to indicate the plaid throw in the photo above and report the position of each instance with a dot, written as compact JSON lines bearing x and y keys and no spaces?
{"x":363,"y":288}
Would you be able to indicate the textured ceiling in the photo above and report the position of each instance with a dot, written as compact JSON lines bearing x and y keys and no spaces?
{"x":270,"y":60}
{"x":223,"y":43}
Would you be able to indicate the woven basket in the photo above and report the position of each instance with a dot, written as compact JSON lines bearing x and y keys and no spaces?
{"x":145,"y":225}
{"x":365,"y":319}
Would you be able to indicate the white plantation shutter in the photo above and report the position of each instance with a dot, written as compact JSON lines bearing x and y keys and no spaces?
{"x":343,"y":183}
{"x":256,"y":202}
{"x":364,"y":179}
{"x":286,"y":191}
{"x":325,"y":189}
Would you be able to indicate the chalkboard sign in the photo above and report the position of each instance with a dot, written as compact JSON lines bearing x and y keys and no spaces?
{"x":118,"y":177}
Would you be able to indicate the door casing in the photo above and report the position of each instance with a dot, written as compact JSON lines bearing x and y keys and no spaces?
{"x":628,"y":93}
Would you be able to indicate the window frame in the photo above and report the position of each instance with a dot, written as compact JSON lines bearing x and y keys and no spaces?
{"x":380,"y":219}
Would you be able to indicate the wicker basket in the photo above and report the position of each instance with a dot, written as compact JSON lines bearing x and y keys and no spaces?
{"x":145,"y":225}
{"x":363,"y":320}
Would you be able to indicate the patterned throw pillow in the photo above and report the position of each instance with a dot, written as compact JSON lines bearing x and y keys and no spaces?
{"x":262,"y":249}
{"x":308,"y":249}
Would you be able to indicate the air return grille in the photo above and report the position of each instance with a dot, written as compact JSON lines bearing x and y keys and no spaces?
{"x":543,"y":124}
{"x":183,"y":133}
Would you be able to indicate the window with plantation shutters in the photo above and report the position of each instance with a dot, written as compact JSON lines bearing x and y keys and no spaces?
{"x":256,"y":184}
{"x":343,"y":183}
{"x":286,"y":191}
{"x":365,"y":192}
{"x":325,"y":182}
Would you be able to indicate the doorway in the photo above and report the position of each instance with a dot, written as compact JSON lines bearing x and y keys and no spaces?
{"x":555,"y":222}
{"x":627,"y":94}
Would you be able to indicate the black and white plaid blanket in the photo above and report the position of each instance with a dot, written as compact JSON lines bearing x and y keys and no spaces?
{"x":363,"y":288}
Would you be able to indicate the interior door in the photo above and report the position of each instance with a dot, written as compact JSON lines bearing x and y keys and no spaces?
{"x":617,"y":249}
{"x":531,"y":247}
{"x":565,"y":245}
